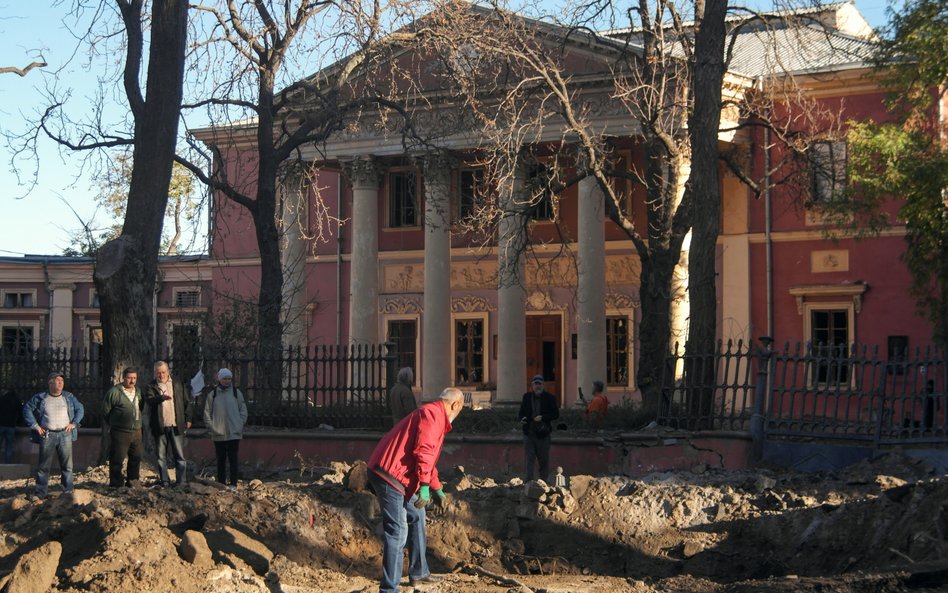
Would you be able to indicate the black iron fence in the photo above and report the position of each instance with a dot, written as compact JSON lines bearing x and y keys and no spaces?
{"x":339,"y":386}
{"x":846,"y":392}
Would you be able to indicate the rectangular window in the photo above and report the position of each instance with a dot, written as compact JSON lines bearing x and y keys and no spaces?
{"x":93,"y":298}
{"x":828,"y":163}
{"x":898,"y":353}
{"x":17,"y":341}
{"x":617,"y":350}
{"x":469,"y":351}
{"x":187,"y":298}
{"x":829,"y":337}
{"x":402,"y":199}
{"x":539,"y":178}
{"x":469,"y":188}
{"x":404,"y":332}
{"x":13,"y":300}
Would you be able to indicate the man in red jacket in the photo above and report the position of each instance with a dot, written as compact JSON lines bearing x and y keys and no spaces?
{"x":403,"y":473}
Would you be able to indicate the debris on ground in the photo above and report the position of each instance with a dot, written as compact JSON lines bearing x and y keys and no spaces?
{"x":878,"y":526}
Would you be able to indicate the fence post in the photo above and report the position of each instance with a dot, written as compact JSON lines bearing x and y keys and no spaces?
{"x":760,"y":393}
{"x":391,"y":357}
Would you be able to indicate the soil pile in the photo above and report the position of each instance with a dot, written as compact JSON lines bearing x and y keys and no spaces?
{"x":878,"y":526}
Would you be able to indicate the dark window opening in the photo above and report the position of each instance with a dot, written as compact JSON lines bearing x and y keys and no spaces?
{"x":402,"y":199}
{"x":469,"y":351}
{"x":829,"y":336}
{"x":404,"y":333}
{"x":17,"y":341}
{"x":617,"y":351}
{"x":539,"y":179}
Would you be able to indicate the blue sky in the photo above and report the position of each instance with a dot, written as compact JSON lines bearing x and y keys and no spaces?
{"x":42,"y":221}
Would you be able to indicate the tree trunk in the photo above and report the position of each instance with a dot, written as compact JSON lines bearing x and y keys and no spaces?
{"x":270,"y":299}
{"x":126,"y":267}
{"x":705,"y":189}
{"x":655,"y":330}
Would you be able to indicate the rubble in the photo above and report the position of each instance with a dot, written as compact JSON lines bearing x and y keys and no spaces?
{"x":873,"y":527}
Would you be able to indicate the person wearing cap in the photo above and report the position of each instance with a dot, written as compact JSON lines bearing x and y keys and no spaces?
{"x":122,"y":409}
{"x":53,"y":417}
{"x":225,"y":414}
{"x":538,"y":410}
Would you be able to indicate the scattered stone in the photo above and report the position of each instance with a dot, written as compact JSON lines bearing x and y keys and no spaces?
{"x":899,"y":493}
{"x":194,"y":549}
{"x":764,"y":483}
{"x":692,"y":548}
{"x":535,"y":490}
{"x":357,"y":478}
{"x":36,"y":570}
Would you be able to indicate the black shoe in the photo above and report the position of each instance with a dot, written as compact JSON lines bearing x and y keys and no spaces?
{"x":431,"y":579}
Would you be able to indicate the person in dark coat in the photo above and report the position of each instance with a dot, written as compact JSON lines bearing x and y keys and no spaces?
{"x":401,"y":398}
{"x":170,"y":418}
{"x":11,"y":412}
{"x":538,"y":410}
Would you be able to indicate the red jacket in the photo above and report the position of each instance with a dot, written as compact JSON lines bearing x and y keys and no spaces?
{"x":406,"y":456}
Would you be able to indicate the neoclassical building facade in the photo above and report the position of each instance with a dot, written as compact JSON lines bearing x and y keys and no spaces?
{"x":372,"y":251}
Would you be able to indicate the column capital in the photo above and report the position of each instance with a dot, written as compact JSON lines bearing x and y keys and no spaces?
{"x":437,"y":165}
{"x":363,"y":171}
{"x":293,"y":175}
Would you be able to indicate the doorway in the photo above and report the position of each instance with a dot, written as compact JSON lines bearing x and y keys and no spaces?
{"x":544,"y":351}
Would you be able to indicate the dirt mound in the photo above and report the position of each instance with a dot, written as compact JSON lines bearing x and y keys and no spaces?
{"x":878,"y":526}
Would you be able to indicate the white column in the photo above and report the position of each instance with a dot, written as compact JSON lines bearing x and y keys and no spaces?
{"x":680,"y":301}
{"x":436,"y":323}
{"x":591,"y":288}
{"x":364,"y":272}
{"x":511,"y":311}
{"x":292,"y":222}
{"x":60,"y":326}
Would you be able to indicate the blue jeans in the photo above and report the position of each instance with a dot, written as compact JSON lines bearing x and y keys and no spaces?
{"x":169,"y":442}
{"x":7,"y":433}
{"x":60,"y":444}
{"x":402,"y":524}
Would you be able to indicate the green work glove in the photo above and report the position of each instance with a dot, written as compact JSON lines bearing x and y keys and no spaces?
{"x":442,"y":499}
{"x":424,"y":497}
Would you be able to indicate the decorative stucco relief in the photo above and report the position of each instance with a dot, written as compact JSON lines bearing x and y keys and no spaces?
{"x":623,"y":269}
{"x":400,"y":306}
{"x":540,"y":300}
{"x":620,"y":301}
{"x":833,"y":260}
{"x":482,"y":274}
{"x":471,"y":304}
{"x":404,"y":278}
{"x":474,"y":274}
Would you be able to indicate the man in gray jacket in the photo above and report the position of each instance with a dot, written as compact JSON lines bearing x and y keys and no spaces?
{"x":225,"y":414}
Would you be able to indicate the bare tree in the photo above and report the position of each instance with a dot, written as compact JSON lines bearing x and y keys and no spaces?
{"x":268,"y":42}
{"x":22,"y":71}
{"x":126,"y":267}
{"x":664,"y":69}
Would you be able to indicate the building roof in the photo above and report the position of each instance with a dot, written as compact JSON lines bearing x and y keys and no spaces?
{"x":797,"y":50}
{"x":32,"y":259}
{"x":803,"y":40}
